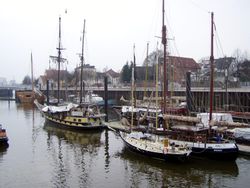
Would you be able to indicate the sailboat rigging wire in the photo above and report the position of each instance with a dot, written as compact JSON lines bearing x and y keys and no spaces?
{"x":218,"y":40}
{"x":199,"y":7}
{"x":153,"y":26}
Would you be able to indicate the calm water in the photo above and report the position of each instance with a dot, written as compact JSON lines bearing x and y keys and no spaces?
{"x":41,"y":156}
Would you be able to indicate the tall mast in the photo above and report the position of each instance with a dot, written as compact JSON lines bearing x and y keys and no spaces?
{"x":59,"y":61}
{"x":212,"y":68}
{"x":134,"y":78}
{"x":164,"y":42}
{"x":133,"y":102}
{"x":156,"y":86}
{"x":82,"y":58}
{"x":32,"y":79}
{"x":146,"y":76}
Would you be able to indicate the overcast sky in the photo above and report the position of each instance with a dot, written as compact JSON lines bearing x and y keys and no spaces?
{"x":112,"y":28}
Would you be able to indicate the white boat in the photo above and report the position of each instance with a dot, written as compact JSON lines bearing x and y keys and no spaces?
{"x":90,"y":98}
{"x":160,"y":149}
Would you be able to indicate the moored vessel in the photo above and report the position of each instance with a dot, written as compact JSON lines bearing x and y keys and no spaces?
{"x":3,"y":137}
{"x":161,"y":149}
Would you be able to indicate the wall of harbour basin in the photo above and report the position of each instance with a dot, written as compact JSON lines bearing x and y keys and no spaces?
{"x":232,"y":100}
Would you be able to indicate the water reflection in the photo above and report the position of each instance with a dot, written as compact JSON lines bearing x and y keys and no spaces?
{"x":87,"y":138}
{"x":3,"y":150}
{"x":52,"y":157}
{"x":195,"y":173}
{"x":73,"y":155}
{"x":107,"y":156}
{"x":27,"y":109}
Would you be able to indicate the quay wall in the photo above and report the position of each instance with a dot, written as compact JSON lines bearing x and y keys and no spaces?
{"x":236,"y":99}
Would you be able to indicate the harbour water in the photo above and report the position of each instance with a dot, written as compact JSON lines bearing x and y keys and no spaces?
{"x":43,"y":156}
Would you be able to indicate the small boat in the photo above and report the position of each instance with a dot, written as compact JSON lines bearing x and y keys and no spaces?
{"x":28,"y":96}
{"x":160,"y":149}
{"x":90,"y":97}
{"x":3,"y":137}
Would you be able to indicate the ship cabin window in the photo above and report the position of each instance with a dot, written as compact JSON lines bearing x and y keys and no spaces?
{"x":79,"y":120}
{"x":74,"y":119}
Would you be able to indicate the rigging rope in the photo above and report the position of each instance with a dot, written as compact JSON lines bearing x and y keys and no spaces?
{"x":218,"y":41}
{"x":199,"y":7}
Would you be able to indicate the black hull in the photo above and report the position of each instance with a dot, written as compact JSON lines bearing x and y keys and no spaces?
{"x":161,"y":156}
{"x":4,"y":142}
{"x":222,"y":155}
{"x":77,"y":128}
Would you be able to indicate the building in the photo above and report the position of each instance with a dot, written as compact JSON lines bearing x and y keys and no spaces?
{"x":224,"y":69}
{"x":52,"y":76}
{"x":3,"y":81}
{"x":113,"y":77}
{"x":88,"y":74}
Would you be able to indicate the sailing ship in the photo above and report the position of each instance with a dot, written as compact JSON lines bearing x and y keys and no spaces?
{"x":152,"y":147}
{"x":80,"y":116}
{"x":28,"y":96}
{"x":144,"y":143}
{"x":202,"y":139}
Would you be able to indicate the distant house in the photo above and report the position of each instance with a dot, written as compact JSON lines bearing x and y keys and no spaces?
{"x":3,"y":81}
{"x":177,"y":67}
{"x":224,"y":69}
{"x":113,"y":77}
{"x":99,"y":79}
{"x":12,"y":82}
{"x":42,"y":81}
{"x":52,"y":76}
{"x":89,"y":74}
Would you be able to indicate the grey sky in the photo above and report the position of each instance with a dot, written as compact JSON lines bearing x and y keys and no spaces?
{"x":112,"y":28}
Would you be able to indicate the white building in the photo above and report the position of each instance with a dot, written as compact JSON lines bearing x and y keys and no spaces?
{"x":3,"y":81}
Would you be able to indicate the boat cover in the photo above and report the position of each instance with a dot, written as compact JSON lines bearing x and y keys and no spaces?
{"x":215,"y":117}
{"x":126,"y":109}
{"x":241,"y":133}
{"x":55,"y":109}
{"x":139,"y":135}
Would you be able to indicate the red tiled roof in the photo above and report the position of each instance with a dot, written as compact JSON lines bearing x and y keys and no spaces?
{"x":113,"y":73}
{"x":182,"y":65}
